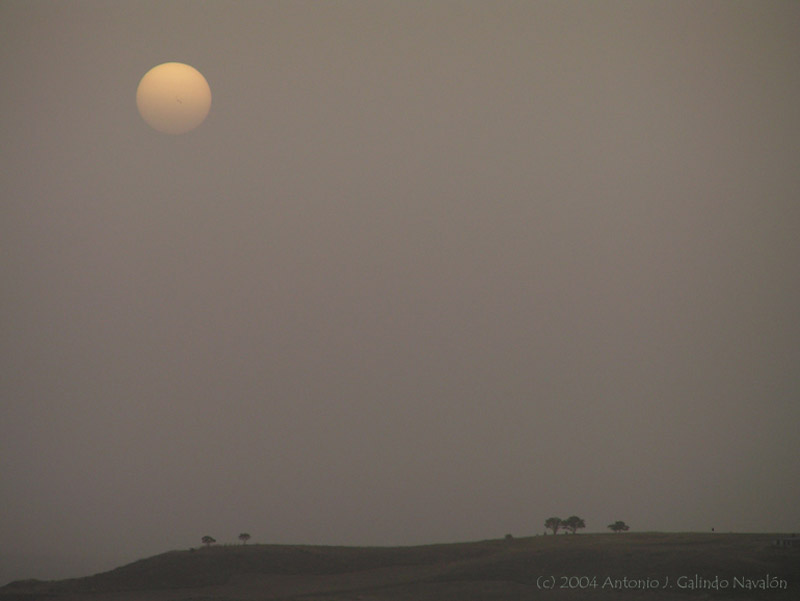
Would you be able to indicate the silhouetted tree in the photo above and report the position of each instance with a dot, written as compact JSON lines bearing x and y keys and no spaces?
{"x":553,"y":524}
{"x":244,"y":537}
{"x":619,"y":526}
{"x":208,"y":540}
{"x":572,"y":523}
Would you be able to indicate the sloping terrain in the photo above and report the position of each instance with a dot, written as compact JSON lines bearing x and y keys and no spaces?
{"x":652,"y":566}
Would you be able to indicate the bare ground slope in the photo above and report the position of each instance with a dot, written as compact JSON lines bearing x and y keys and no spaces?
{"x":646,"y":566}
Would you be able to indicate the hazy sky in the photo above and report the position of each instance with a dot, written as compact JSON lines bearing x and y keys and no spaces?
{"x":430,"y":271}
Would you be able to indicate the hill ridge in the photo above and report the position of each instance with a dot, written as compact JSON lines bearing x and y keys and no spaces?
{"x":491,"y":569}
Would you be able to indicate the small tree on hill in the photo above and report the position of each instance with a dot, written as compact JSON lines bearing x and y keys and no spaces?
{"x":553,"y":524}
{"x":573,"y":522}
{"x":619,"y":526}
{"x":244,"y":537}
{"x":208,"y":540}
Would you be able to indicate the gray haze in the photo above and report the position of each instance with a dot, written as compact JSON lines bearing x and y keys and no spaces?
{"x":429,"y":272}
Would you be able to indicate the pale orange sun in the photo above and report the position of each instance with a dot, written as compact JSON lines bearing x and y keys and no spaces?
{"x":173,"y":98}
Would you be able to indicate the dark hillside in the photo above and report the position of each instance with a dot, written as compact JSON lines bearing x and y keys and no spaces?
{"x":602,"y":566}
{"x":216,"y":565}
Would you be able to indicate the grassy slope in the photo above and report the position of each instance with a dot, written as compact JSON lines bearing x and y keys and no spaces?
{"x":487,"y":570}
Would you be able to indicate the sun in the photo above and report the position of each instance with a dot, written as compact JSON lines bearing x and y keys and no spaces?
{"x":173,"y":98}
